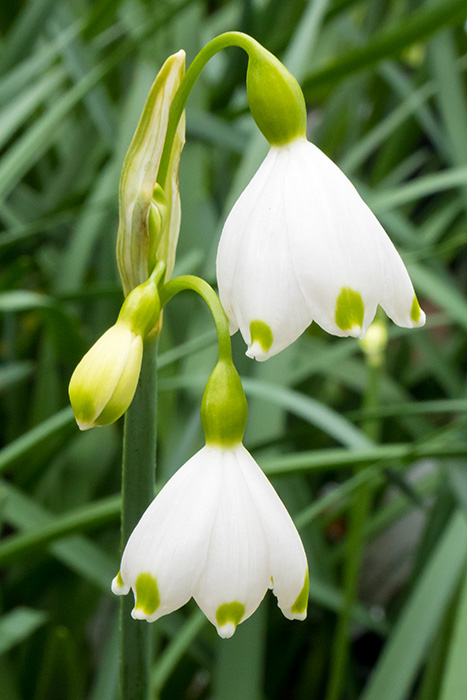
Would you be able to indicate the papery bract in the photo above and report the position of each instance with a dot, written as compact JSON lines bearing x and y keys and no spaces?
{"x":300,"y":245}
{"x":140,"y":245}
{"x":217,"y":532}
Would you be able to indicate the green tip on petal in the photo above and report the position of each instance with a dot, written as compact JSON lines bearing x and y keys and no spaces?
{"x":298,"y":609}
{"x":349,"y":311}
{"x":415,"y":311}
{"x":147,"y":594}
{"x":261,"y":333}
{"x":119,"y":586}
{"x":228,"y":616}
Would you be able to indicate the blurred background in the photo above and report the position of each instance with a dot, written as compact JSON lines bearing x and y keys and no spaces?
{"x":369,"y":454}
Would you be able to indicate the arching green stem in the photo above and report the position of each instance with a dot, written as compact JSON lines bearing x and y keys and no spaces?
{"x":222,"y":41}
{"x":201,"y":287}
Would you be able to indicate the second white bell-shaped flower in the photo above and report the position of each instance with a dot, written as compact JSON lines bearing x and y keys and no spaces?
{"x":217,"y":531}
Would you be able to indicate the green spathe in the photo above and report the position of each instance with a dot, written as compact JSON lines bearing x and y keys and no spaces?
{"x":147,"y":594}
{"x":230,"y":613}
{"x":224,"y":407}
{"x":136,"y":244}
{"x":349,"y":309}
{"x":275,"y":98}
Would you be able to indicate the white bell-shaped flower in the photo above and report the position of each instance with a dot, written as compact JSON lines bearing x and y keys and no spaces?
{"x":217,"y":532}
{"x":300,"y":245}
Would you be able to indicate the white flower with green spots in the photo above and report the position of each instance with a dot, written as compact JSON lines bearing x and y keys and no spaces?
{"x":300,"y":245}
{"x":217,"y":532}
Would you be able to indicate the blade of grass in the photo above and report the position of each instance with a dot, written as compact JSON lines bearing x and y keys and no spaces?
{"x":76,"y":552}
{"x":17,"y":625}
{"x":59,"y":424}
{"x":88,"y":517}
{"x":400,"y":661}
{"x":389,"y":42}
{"x":172,"y":654}
{"x":454,"y":685}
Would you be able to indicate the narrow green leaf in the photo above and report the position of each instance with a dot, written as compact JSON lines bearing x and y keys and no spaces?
{"x":168,"y":660}
{"x":301,"y":462}
{"x":76,"y":552}
{"x":13,"y":115}
{"x":400,"y":661}
{"x":454,"y":685}
{"x":414,"y":27}
{"x":56,"y":424}
{"x":17,"y":625}
{"x":83,"y":519}
{"x":14,"y":372}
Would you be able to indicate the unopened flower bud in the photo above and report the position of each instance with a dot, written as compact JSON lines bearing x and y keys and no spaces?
{"x":104,"y":382}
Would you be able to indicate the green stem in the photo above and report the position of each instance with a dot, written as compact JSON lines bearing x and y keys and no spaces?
{"x":354,"y":548}
{"x":201,"y":287}
{"x":138,"y":486}
{"x":243,"y":41}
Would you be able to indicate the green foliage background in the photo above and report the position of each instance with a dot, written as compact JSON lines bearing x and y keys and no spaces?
{"x":385,"y":87}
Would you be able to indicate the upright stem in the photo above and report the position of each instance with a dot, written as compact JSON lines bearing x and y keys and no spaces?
{"x":354,"y":550}
{"x":138,"y":486}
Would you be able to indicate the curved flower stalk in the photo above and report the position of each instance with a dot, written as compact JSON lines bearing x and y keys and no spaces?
{"x":149,"y":214}
{"x":300,"y":245}
{"x":217,"y":531}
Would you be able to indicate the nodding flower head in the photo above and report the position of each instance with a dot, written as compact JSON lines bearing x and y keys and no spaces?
{"x":217,"y":532}
{"x":300,"y":245}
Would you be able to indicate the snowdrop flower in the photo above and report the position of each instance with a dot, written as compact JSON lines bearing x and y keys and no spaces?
{"x":300,"y":245}
{"x":217,"y":531}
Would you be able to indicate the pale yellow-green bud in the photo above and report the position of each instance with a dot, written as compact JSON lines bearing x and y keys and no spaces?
{"x":275,"y":98}
{"x":224,"y":408}
{"x":374,"y":343}
{"x":103,"y":384}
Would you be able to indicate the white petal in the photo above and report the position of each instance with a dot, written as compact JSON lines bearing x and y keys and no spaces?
{"x":171,"y":540}
{"x":236,"y":571}
{"x":256,"y":279}
{"x":288,"y":564}
{"x":346,"y":246}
